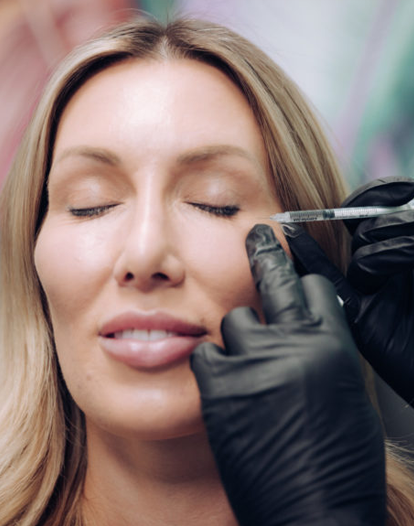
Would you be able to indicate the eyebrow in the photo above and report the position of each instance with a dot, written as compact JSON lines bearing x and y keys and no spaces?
{"x":213,"y":152}
{"x":101,"y":155}
{"x":198,"y":155}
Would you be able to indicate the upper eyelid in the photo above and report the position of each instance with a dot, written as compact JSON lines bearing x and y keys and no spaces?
{"x":224,"y":210}
{"x":111,"y":205}
{"x":65,"y":182}
{"x":85,"y":211}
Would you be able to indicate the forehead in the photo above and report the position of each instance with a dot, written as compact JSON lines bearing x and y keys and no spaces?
{"x":183,"y":99}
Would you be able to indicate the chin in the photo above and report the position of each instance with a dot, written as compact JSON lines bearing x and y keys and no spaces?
{"x":140,"y":421}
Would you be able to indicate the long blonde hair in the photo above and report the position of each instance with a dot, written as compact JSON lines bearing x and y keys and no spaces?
{"x":42,"y":432}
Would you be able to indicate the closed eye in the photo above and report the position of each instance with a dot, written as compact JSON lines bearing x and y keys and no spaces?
{"x":93,"y":211}
{"x":220,"y":211}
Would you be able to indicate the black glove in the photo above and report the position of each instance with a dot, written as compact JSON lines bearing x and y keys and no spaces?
{"x":294,"y":435}
{"x":378,"y":292}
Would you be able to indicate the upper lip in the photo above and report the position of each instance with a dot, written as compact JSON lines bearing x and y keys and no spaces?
{"x":161,"y":321}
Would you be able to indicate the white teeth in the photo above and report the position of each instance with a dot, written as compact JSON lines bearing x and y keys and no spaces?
{"x":143,"y":335}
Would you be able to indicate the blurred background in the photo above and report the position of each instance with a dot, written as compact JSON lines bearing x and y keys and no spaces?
{"x":353,"y":59}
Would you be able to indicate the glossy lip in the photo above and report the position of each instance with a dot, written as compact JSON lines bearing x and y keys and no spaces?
{"x":150,"y":354}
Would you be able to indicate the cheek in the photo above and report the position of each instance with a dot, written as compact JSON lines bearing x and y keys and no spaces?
{"x":70,"y":269}
{"x":218,"y":261}
{"x":227,"y":270}
{"x":220,"y":264}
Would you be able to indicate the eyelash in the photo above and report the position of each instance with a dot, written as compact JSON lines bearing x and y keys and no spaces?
{"x":219,"y":211}
{"x":90,"y":212}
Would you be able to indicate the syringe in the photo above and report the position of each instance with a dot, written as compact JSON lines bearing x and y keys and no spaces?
{"x":330,"y":214}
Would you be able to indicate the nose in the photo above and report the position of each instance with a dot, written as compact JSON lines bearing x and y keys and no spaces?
{"x":149,"y":257}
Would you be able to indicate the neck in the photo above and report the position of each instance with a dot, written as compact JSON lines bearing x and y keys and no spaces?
{"x":164,"y":482}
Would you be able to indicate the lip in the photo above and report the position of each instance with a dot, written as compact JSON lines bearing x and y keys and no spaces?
{"x":142,"y":354}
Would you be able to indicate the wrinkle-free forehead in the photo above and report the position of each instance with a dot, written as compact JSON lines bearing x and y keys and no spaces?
{"x":187,"y":103}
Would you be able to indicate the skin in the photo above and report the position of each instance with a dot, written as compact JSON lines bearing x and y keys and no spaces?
{"x":147,"y":145}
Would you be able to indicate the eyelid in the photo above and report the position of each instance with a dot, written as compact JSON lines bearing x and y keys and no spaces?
{"x":90,"y":211}
{"x":225,"y":211}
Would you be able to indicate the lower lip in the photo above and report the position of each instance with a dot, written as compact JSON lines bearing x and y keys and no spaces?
{"x":150,"y":354}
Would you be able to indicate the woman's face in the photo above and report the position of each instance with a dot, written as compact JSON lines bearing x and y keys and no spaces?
{"x":159,"y":172}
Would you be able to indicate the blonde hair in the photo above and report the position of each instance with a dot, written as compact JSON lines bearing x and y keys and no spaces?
{"x":42,"y":432}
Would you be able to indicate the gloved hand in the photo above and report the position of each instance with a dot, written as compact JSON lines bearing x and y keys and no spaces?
{"x":378,"y":292}
{"x":294,"y":436}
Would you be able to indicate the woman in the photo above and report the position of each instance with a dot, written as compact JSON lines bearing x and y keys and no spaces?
{"x":80,"y":237}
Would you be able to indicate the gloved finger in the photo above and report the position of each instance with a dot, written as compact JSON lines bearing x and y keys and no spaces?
{"x":275,"y":277}
{"x":382,"y":228}
{"x":205,"y":362}
{"x":388,"y":191}
{"x":321,"y":296}
{"x":372,"y":265}
{"x":240,"y":328}
{"x":311,"y":257}
{"x":220,"y":375}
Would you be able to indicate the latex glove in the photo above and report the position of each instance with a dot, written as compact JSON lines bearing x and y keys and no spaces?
{"x":294,"y":435}
{"x":378,"y":292}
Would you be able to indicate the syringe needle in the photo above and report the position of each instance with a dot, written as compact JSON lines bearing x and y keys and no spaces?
{"x":330,"y":214}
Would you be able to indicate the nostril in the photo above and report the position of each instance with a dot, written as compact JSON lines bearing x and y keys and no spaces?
{"x":160,"y":276}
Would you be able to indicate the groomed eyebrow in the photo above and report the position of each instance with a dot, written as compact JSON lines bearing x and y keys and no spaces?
{"x":100,"y":155}
{"x":214,"y":152}
{"x":198,"y":155}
